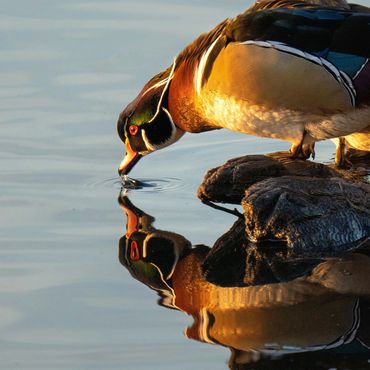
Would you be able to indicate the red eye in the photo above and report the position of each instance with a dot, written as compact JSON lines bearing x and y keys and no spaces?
{"x":134,"y":252}
{"x":133,"y":130}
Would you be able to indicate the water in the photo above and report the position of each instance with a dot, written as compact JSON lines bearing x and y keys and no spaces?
{"x":66,"y":301}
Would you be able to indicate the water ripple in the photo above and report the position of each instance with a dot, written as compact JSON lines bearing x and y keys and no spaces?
{"x":146,"y":184}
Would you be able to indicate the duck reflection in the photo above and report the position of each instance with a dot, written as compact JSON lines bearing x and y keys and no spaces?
{"x":320,"y":307}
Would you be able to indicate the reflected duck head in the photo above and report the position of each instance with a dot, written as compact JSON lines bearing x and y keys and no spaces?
{"x":150,"y":255}
{"x":146,"y":125}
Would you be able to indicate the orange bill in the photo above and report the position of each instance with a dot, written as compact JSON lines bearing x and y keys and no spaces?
{"x":129,"y":161}
{"x":133,"y":218}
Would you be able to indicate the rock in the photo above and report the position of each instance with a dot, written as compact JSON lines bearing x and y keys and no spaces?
{"x":318,"y":210}
{"x":316,"y":216}
{"x":227,"y":183}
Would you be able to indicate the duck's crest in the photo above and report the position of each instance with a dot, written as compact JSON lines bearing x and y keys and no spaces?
{"x":203,"y":52}
{"x":158,"y":80}
{"x":274,"y":4}
{"x":198,"y":47}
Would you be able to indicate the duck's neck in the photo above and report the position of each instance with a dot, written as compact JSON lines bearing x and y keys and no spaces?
{"x":183,"y":102}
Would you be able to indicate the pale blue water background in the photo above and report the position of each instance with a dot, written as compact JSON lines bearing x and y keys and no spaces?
{"x":67,"y":68}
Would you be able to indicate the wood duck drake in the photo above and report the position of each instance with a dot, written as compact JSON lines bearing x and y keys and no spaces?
{"x":284,"y":69}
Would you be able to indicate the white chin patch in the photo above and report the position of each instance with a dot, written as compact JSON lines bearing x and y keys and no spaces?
{"x":176,"y":134}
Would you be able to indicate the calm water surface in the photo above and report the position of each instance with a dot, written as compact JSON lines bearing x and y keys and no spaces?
{"x":67,"y":299}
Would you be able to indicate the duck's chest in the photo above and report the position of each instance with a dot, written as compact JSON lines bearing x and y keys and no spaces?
{"x":184,"y":105}
{"x":237,"y":115}
{"x":218,"y":106}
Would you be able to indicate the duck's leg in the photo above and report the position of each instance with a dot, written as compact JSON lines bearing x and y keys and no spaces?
{"x":309,"y":150}
{"x":341,"y":159}
{"x":301,"y":150}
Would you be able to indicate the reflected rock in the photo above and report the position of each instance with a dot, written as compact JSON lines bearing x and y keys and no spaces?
{"x":226,"y":263}
{"x":235,"y":261}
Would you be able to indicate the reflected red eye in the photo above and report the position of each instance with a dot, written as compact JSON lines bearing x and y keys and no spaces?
{"x":134,"y":252}
{"x":133,"y":130}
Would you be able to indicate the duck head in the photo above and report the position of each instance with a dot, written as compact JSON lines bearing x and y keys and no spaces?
{"x":146,"y":125}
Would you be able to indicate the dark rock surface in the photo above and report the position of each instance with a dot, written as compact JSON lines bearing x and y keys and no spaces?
{"x":315,"y":216}
{"x":317,"y":210}
{"x":227,"y":183}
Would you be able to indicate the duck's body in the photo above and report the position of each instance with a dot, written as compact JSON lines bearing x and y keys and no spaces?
{"x":359,"y":140}
{"x":297,"y":73}
{"x":356,"y":145}
{"x":253,"y":89}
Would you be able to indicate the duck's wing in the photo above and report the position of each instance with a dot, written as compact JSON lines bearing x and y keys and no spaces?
{"x":313,"y":29}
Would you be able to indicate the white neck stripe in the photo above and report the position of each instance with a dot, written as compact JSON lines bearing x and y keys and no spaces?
{"x":164,"y":90}
{"x":158,"y":84}
{"x":202,"y":65}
